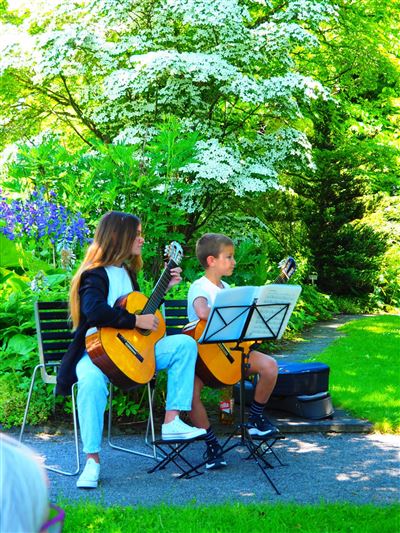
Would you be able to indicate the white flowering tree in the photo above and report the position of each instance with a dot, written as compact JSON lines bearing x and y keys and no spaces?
{"x":111,"y":71}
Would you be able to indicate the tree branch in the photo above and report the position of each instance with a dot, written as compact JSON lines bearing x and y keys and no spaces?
{"x":92,"y":127}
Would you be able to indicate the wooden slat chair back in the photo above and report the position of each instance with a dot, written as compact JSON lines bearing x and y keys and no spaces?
{"x":175,"y":315}
{"x":54,"y":334}
{"x":53,"y":330}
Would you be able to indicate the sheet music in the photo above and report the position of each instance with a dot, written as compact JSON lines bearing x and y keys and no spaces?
{"x":275,"y":303}
{"x":229,"y":314}
{"x":231,"y":309}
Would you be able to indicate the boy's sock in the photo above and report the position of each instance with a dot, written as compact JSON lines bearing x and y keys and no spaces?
{"x":256,"y":409}
{"x":213,"y":455}
{"x":210,"y":438}
{"x":258,"y":423}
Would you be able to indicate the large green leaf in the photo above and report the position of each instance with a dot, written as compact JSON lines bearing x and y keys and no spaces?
{"x":13,"y":255}
{"x":21,"y":344}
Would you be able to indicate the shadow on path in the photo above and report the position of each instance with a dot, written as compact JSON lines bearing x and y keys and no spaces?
{"x":319,"y":467}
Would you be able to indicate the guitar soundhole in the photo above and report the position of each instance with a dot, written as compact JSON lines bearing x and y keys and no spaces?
{"x":144,"y":332}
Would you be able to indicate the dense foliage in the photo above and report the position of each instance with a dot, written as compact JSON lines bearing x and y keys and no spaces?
{"x":274,"y":122}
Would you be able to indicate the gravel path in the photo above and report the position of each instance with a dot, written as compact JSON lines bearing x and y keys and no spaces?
{"x":355,"y":468}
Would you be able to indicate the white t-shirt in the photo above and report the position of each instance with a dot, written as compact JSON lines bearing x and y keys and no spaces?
{"x":204,"y":288}
{"x":120,"y":283}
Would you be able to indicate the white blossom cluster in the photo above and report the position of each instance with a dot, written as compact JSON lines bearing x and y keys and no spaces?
{"x":314,"y":12}
{"x":257,"y":173}
{"x":123,"y":64}
{"x":279,"y":36}
{"x":135,"y":135}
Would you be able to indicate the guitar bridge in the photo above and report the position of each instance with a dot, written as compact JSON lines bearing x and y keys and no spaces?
{"x":226,"y":352}
{"x":130,"y":347}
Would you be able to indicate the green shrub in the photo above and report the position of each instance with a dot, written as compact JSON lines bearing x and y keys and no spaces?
{"x":19,"y":287}
{"x":131,"y":404}
{"x":311,"y":306}
{"x":350,"y":306}
{"x":13,"y":395}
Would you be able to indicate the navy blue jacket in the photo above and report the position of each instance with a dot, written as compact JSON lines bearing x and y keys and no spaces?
{"x":95,"y":312}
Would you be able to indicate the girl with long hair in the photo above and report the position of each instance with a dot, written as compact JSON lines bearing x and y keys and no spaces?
{"x":108,"y":272}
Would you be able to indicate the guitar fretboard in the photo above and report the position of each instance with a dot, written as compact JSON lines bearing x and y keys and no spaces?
{"x":153,"y":303}
{"x":282,"y":278}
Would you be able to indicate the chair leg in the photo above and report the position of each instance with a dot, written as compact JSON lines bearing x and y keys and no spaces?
{"x":28,"y":401}
{"x":75,"y":423}
{"x":150,"y":420}
{"x":150,"y":423}
{"x":76,"y":440}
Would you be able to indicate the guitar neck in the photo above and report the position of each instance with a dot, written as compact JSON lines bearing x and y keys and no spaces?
{"x":159,"y":291}
{"x":282,"y":278}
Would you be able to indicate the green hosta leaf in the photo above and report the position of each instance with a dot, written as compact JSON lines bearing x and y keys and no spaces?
{"x":13,"y":255}
{"x":22,"y":344}
{"x":56,"y":279}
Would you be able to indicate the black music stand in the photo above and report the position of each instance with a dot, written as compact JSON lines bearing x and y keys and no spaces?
{"x":235,"y":318}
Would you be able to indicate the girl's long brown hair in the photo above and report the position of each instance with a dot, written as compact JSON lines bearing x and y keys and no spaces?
{"x":112,"y":245}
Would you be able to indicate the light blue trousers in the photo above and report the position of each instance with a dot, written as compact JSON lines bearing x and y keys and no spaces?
{"x":177,"y":354}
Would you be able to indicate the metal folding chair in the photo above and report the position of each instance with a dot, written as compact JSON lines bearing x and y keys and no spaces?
{"x":149,"y":429}
{"x":54,"y":335}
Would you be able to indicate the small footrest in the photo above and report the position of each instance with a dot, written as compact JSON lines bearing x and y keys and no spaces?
{"x":173,"y":452}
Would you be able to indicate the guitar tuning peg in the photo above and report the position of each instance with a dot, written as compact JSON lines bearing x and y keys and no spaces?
{"x":167,"y":252}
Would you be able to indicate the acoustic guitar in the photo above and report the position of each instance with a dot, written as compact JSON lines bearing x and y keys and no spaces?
{"x":219,"y":364}
{"x":126,"y":356}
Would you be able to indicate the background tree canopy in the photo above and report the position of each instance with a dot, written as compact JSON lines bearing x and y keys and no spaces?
{"x":275,"y":122}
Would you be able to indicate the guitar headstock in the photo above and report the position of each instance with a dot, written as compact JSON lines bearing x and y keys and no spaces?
{"x":288,"y":268}
{"x":173,"y":254}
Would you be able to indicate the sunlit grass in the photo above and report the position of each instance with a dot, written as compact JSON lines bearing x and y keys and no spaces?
{"x":281,"y":518}
{"x":365,"y":374}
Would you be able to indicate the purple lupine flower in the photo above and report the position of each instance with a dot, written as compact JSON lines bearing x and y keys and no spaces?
{"x":39,"y":219}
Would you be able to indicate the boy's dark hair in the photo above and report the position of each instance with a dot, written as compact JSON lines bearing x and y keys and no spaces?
{"x":211,"y":244}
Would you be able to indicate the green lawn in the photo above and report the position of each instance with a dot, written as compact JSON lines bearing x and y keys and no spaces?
{"x":365,"y":375}
{"x":281,"y":518}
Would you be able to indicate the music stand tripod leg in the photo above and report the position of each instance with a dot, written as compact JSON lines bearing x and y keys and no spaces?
{"x":249,"y":315}
{"x":244,"y":366}
{"x":241,"y":427}
{"x":264,"y":447}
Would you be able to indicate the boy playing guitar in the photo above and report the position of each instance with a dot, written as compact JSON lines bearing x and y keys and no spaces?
{"x":216,"y":254}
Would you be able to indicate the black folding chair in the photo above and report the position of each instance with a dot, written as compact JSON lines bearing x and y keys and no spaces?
{"x":53,"y":328}
{"x":175,"y":314}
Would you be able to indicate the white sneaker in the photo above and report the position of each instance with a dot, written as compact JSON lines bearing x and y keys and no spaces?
{"x":90,"y":475}
{"x":178,"y":430}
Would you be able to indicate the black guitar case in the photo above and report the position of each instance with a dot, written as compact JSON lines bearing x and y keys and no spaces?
{"x":301,"y":378}
{"x":311,"y":406}
{"x":301,"y":389}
